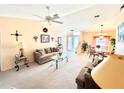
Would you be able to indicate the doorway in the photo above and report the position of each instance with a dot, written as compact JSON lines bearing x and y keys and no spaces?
{"x":72,"y":42}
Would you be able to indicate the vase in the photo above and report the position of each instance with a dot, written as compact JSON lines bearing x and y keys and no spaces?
{"x":60,"y":54}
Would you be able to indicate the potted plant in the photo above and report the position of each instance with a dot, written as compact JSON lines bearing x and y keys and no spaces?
{"x":113,"y":42}
{"x":84,"y":46}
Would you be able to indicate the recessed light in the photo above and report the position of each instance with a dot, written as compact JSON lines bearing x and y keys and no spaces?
{"x":97,"y":16}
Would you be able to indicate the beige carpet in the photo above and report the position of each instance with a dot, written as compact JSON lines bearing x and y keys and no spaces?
{"x":45,"y":76}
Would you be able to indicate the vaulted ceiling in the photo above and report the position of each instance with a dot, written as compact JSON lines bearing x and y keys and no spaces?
{"x":76,"y":17}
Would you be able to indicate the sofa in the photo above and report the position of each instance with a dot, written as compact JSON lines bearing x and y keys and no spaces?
{"x":84,"y":79}
{"x":44,"y":55}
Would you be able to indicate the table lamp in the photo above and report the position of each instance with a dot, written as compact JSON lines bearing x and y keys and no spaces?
{"x":21,"y":47}
{"x":109,"y":74}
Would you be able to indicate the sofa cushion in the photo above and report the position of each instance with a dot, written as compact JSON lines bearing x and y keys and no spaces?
{"x":47,"y":55}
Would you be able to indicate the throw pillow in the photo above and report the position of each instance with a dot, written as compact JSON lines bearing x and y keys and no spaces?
{"x":54,"y":49}
{"x":48,"y":50}
{"x":40,"y":53}
{"x":51,"y":49}
{"x":37,"y":50}
{"x":43,"y":52}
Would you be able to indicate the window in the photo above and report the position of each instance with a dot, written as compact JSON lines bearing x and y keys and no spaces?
{"x":72,"y":41}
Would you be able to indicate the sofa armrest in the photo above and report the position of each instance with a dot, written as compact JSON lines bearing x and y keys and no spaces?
{"x":37,"y":56}
{"x":84,"y":80}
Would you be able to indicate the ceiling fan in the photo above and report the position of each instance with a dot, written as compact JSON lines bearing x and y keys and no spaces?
{"x":49,"y":18}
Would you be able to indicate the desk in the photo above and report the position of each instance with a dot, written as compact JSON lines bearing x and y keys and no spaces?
{"x":19,"y":60}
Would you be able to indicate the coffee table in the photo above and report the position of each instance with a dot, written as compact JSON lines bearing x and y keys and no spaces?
{"x":59,"y":58}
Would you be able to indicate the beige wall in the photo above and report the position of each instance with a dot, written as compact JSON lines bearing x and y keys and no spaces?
{"x":28,"y":28}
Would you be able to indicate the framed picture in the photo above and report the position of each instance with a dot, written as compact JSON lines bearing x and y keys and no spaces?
{"x":121,"y":33}
{"x":59,"y":40}
{"x":45,"y":38}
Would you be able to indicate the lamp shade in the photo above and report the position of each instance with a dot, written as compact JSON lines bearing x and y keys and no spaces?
{"x":109,"y":74}
{"x":21,"y":45}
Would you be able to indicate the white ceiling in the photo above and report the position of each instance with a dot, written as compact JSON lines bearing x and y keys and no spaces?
{"x":77,"y":17}
{"x":110,"y":17}
{"x":29,"y":10}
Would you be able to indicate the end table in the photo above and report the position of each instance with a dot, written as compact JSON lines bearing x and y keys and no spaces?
{"x":19,"y":59}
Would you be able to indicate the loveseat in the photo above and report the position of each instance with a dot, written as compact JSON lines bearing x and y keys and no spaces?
{"x":44,"y":55}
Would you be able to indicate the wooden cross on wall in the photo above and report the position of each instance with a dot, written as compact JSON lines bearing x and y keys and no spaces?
{"x":16,"y":34}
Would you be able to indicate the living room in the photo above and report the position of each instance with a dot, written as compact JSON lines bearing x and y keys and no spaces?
{"x":27,"y":29}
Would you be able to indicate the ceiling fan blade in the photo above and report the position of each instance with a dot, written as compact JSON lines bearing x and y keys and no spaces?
{"x":38,"y":16}
{"x":57,"y":22}
{"x":56,"y":16}
{"x":42,"y":20}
